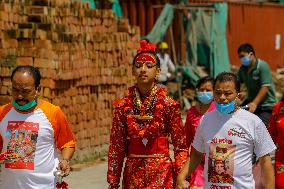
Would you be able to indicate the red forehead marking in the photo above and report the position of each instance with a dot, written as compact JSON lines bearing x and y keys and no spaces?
{"x":145,"y":57}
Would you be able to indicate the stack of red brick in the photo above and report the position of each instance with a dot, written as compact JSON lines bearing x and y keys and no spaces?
{"x":84,"y":56}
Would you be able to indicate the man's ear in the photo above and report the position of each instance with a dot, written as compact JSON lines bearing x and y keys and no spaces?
{"x":38,"y":89}
{"x":239,"y":96}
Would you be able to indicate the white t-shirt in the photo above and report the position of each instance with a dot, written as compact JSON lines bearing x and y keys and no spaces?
{"x":35,"y":136}
{"x":166,"y":66}
{"x":229,"y":142}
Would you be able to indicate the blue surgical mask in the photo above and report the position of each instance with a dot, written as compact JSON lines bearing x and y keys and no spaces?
{"x":25,"y":107}
{"x":246,"y":61}
{"x":205,"y":97}
{"x":225,"y":108}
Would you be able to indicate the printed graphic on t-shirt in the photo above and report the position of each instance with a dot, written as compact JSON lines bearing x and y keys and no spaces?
{"x":22,"y":141}
{"x":221,"y":163}
{"x":237,"y":132}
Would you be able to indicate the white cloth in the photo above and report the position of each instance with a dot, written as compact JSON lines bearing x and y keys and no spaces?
{"x":166,"y":66}
{"x":229,"y":142}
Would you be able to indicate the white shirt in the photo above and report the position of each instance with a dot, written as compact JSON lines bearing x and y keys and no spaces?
{"x":35,"y":136}
{"x":166,"y":66}
{"x":229,"y":142}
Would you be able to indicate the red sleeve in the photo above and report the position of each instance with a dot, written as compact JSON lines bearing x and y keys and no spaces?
{"x":117,"y":149}
{"x":272,"y":121}
{"x":188,"y":128}
{"x":1,"y":144}
{"x":178,"y":136}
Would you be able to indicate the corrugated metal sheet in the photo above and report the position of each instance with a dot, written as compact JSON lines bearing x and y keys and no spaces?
{"x":262,"y":25}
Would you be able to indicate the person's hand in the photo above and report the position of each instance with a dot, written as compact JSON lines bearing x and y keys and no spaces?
{"x":64,"y":166}
{"x":252,"y":107}
{"x":182,"y":184}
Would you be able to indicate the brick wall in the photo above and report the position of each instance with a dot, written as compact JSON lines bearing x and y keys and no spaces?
{"x":84,"y":56}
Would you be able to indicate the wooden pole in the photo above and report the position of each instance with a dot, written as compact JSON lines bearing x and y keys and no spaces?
{"x":189,"y":7}
{"x":173,"y":45}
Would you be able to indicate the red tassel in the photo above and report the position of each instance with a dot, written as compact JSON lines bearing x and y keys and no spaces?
{"x":146,"y":47}
{"x":63,"y":185}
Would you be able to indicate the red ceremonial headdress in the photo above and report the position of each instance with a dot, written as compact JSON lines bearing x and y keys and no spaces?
{"x":146,"y":57}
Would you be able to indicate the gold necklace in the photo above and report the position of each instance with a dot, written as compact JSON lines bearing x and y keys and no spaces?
{"x":143,"y":107}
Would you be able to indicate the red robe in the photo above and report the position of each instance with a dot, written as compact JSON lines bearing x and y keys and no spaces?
{"x":276,"y":130}
{"x":130,"y":135}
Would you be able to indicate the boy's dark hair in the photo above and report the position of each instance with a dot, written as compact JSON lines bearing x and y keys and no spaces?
{"x":31,"y":70}
{"x":204,"y":80}
{"x":149,"y":52}
{"x":228,"y":76}
{"x":246,"y":47}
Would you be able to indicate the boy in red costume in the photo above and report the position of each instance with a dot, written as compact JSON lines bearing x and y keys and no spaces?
{"x":142,"y":122}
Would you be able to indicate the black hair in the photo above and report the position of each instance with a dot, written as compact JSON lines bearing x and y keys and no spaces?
{"x":149,"y":52}
{"x":31,"y":70}
{"x":246,"y":47}
{"x":204,"y":80}
{"x":228,"y":76}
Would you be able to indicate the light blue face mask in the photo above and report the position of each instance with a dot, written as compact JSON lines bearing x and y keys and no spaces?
{"x":204,"y":97}
{"x":25,"y":107}
{"x":225,"y":108}
{"x":246,"y":61}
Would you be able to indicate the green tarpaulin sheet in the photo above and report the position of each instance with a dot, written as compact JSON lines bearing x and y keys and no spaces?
{"x":161,"y":26}
{"x":92,"y":4}
{"x":206,"y":35}
{"x":116,"y":8}
{"x":207,"y":44}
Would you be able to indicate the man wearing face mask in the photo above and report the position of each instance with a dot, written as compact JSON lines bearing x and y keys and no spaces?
{"x":36,"y":127}
{"x":228,"y":136}
{"x":256,"y":75}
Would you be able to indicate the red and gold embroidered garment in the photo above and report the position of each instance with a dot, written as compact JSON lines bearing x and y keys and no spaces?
{"x":140,"y":132}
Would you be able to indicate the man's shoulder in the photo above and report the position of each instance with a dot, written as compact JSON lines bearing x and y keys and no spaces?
{"x":46,"y":104}
{"x":6,"y":106}
{"x":247,"y":118}
{"x":119,"y":102}
{"x":211,"y":114}
{"x":209,"y":117}
{"x":262,"y":64}
{"x":4,"y":109}
{"x":47,"y":107}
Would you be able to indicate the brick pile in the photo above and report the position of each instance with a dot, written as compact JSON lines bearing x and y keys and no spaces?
{"x":84,"y":56}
